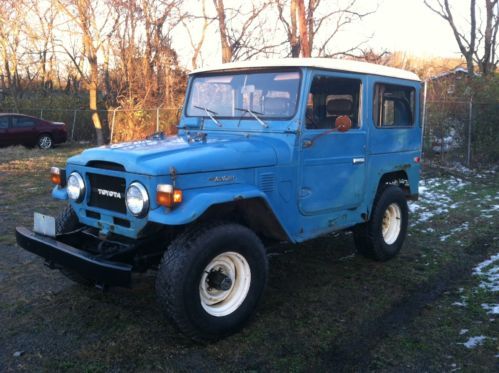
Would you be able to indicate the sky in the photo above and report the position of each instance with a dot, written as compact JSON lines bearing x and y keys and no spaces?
{"x":398,"y":25}
{"x":408,"y":25}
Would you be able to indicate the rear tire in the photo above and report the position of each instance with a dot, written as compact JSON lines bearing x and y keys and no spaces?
{"x":382,"y":237}
{"x":66,"y":222}
{"x":211,"y":279}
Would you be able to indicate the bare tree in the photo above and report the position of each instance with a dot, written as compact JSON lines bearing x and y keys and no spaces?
{"x":488,"y":61}
{"x":311,"y":26}
{"x":83,"y":14}
{"x":241,"y":31}
{"x":290,"y":25}
{"x":478,"y":44}
{"x":10,"y":44}
{"x":197,"y":45}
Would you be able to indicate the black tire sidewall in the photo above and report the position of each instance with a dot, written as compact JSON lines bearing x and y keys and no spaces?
{"x":389,"y":195}
{"x":203,"y":249}
{"x":67,"y":220}
{"x":217,"y":244}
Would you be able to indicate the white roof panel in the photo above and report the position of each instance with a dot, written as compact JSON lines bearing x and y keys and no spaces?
{"x":321,"y":63}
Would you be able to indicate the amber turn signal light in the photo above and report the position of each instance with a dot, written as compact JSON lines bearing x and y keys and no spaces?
{"x":58,"y":176}
{"x":167,"y":195}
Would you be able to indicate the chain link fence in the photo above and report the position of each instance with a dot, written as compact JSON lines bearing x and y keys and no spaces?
{"x":117,"y":124}
{"x":455,"y":132}
{"x":128,"y":125}
{"x":461,"y":132}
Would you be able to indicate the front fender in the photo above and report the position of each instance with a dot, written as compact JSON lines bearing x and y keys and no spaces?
{"x":196,"y":202}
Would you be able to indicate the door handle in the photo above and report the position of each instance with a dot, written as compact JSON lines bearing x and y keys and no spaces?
{"x":358,"y":160}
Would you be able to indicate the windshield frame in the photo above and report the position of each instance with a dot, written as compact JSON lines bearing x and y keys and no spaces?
{"x":243,"y":116}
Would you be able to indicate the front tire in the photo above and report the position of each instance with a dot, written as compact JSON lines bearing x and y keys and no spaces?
{"x":382,"y":237}
{"x":211,"y":279}
{"x":67,"y":221}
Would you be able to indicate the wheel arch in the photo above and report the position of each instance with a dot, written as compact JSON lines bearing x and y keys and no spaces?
{"x":255,"y":213}
{"x":398,"y":178}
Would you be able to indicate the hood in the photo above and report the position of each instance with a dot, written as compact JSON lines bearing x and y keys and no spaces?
{"x":155,"y":157}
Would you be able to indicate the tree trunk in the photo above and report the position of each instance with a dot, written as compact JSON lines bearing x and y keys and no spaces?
{"x":302,"y":24}
{"x":93,"y":84}
{"x":92,"y":90}
{"x":293,"y":36}
{"x":224,"y":40}
{"x":486,"y":64}
{"x":312,"y":4}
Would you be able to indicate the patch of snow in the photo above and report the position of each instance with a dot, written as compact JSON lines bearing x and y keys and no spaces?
{"x":492,"y":309}
{"x":348,"y":257}
{"x":435,"y":199}
{"x":488,"y":271}
{"x":472,"y":342}
{"x":463,"y":331}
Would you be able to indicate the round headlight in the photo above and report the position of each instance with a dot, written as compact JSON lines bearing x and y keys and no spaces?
{"x":75,"y":187}
{"x":137,"y":199}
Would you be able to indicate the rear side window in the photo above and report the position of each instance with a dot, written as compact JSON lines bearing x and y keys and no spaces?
{"x":394,"y":105}
{"x":4,"y":122}
{"x":19,"y":122}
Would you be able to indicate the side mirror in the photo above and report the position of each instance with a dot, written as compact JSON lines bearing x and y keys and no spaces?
{"x":343,"y":123}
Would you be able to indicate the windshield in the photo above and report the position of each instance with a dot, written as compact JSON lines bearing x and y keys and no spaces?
{"x":261,"y":94}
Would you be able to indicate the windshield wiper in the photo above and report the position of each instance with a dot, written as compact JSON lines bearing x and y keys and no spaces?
{"x":254,"y":115}
{"x":209,"y":113}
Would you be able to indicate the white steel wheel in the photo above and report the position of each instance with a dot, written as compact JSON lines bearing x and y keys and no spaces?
{"x":224,"y":284}
{"x":391,"y":223}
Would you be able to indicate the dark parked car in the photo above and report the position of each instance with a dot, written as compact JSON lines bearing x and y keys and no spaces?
{"x":18,"y":129}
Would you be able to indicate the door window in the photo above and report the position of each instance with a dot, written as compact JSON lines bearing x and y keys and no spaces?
{"x":393,"y":106}
{"x":20,"y":122}
{"x":4,"y":122}
{"x":330,"y":98}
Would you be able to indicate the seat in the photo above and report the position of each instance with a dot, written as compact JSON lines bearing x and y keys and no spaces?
{"x":338,"y":107}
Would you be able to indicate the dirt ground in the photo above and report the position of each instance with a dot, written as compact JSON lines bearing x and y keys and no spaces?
{"x":325,"y":308}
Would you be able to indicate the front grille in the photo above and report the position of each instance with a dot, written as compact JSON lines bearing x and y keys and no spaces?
{"x":107,"y":192}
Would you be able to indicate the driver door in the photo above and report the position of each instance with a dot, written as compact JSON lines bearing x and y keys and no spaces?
{"x":333,"y":163}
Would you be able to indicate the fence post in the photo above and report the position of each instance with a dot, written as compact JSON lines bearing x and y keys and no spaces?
{"x":470,"y":119}
{"x":73,"y":127}
{"x":423,"y":119}
{"x":112,"y":125}
{"x":41,"y":113}
{"x":157,"y":119}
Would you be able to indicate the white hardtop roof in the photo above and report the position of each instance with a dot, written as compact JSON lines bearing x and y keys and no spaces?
{"x":321,"y":63}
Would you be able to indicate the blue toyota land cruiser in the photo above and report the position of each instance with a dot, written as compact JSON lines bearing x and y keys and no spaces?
{"x":266,"y":151}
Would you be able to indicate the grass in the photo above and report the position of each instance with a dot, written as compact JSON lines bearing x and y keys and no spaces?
{"x":325,"y":308}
